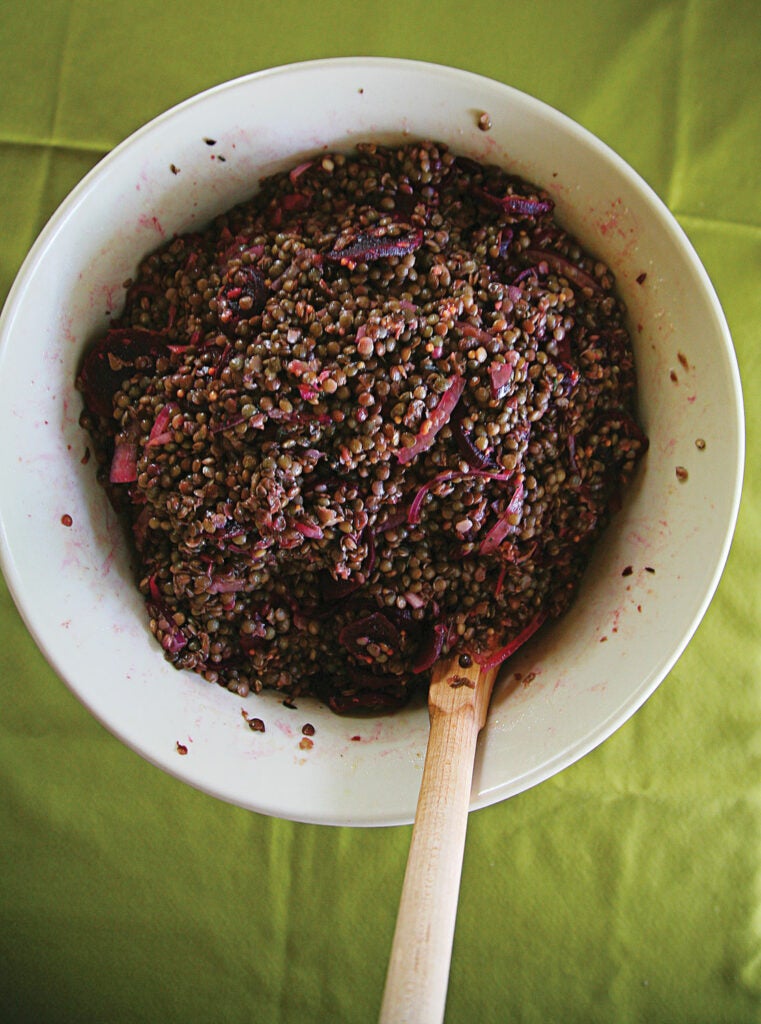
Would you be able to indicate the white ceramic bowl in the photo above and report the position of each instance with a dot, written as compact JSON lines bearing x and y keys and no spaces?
{"x":73,"y":585}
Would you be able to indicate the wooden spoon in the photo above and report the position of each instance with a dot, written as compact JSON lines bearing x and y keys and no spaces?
{"x":418,"y":971}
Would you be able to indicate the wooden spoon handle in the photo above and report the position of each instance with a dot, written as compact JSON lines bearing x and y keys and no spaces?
{"x":418,"y":971}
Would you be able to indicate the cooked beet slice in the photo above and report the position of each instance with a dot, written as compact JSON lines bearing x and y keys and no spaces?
{"x":241,"y":298}
{"x":364,"y":680}
{"x":374,"y":628}
{"x":111,"y":360}
{"x":369,"y":701}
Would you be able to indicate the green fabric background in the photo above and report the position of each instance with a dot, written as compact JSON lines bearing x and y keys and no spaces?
{"x":625,"y":889}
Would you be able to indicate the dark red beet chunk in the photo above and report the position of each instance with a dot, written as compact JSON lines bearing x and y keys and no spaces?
{"x":242,"y":298}
{"x":373,"y":680}
{"x":370,"y":701}
{"x":371,"y":629}
{"x":111,"y":361}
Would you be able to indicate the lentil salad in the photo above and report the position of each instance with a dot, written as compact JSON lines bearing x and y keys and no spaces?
{"x":376,"y":415}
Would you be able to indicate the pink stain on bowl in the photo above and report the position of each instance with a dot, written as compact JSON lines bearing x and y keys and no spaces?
{"x":284,"y":728}
{"x":612,"y":222}
{"x":151,"y":223}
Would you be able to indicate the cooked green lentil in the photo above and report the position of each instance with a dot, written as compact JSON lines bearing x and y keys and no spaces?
{"x":375,"y":415}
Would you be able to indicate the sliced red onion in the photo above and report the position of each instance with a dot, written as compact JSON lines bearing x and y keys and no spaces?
{"x":124,"y":463}
{"x":437,"y":417}
{"x":500,"y":580}
{"x":394,"y":520}
{"x":160,"y":439}
{"x":369,"y":565}
{"x":413,"y":512}
{"x":295,"y":202}
{"x":562,"y":265}
{"x":308,"y":528}
{"x":255,"y":639}
{"x":492,"y":659}
{"x":219,"y":585}
{"x":505,"y":241}
{"x":571,"y":445}
{"x":228,"y":424}
{"x":524,"y":275}
{"x":472,"y":455}
{"x":503,"y":526}
{"x":222,"y":361}
{"x":174,"y":639}
{"x":160,"y":433}
{"x":516,"y":206}
{"x":471,"y":331}
{"x":140,"y":526}
{"x":297,"y":171}
{"x":500,"y":375}
{"x":375,"y":244}
{"x":430,"y":649}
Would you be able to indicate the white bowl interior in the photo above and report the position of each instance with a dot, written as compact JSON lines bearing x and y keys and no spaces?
{"x":588,"y":673}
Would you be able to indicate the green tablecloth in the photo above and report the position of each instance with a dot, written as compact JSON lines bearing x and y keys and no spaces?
{"x":627,"y":888}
